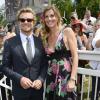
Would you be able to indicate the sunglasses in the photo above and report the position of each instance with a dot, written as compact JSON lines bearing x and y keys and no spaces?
{"x":23,"y":20}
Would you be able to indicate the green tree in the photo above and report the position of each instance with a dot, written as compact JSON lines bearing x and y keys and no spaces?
{"x":65,"y":7}
{"x":2,"y":16}
{"x":81,"y":5}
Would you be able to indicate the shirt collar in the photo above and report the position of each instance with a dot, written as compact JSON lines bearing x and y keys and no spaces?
{"x":23,"y":36}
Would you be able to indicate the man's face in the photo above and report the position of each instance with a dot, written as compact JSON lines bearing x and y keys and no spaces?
{"x":26,"y":22}
{"x":88,"y":15}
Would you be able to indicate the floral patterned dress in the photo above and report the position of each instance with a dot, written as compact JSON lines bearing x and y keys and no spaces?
{"x":58,"y":72}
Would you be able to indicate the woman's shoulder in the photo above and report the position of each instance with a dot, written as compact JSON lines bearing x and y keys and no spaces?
{"x":68,"y":31}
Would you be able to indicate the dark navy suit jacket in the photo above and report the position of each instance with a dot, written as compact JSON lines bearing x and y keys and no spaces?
{"x":15,"y":64}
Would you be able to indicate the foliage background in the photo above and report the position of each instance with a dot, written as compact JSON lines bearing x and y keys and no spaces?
{"x":68,"y":6}
{"x":3,"y":20}
{"x":80,"y":6}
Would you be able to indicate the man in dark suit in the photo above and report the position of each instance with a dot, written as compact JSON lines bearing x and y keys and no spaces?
{"x":24,"y":60}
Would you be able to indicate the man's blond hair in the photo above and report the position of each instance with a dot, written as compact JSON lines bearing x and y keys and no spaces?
{"x":26,"y":10}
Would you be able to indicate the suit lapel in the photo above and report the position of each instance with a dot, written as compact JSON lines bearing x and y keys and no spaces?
{"x":20,"y":49}
{"x":36,"y":49}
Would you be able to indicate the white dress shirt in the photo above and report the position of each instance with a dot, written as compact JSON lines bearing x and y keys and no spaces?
{"x":24,"y":42}
{"x":96,"y":38}
{"x":95,"y":64}
{"x":89,"y":28}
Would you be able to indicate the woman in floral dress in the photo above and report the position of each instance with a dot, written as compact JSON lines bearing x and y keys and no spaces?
{"x":61,"y":49}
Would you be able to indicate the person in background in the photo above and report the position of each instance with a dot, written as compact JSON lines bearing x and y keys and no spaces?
{"x":24,"y":59}
{"x":89,"y":22}
{"x":73,"y":18}
{"x":96,"y":64}
{"x":92,"y":35}
{"x":98,"y":15}
{"x":77,"y":28}
{"x":10,"y":32}
{"x":61,"y":49}
{"x":2,"y":34}
{"x":82,"y":43}
{"x":40,"y":32}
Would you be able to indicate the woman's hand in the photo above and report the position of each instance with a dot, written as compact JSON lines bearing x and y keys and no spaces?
{"x":71,"y":85}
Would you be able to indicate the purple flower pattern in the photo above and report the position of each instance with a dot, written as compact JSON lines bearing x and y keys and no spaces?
{"x":58,"y":66}
{"x":54,"y":68}
{"x":52,"y":86}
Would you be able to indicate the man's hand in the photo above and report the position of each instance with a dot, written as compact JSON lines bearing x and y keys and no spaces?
{"x":37,"y":84}
{"x":25,"y":82}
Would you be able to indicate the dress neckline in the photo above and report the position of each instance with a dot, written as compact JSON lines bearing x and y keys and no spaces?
{"x":58,"y":38}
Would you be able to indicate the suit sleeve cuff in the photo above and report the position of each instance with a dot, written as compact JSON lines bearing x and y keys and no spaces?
{"x":41,"y":79}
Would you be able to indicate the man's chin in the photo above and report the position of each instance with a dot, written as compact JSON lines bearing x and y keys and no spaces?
{"x":27,"y":31}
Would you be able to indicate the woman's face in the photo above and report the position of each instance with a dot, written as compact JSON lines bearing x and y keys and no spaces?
{"x":50,"y":19}
{"x":77,"y":28}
